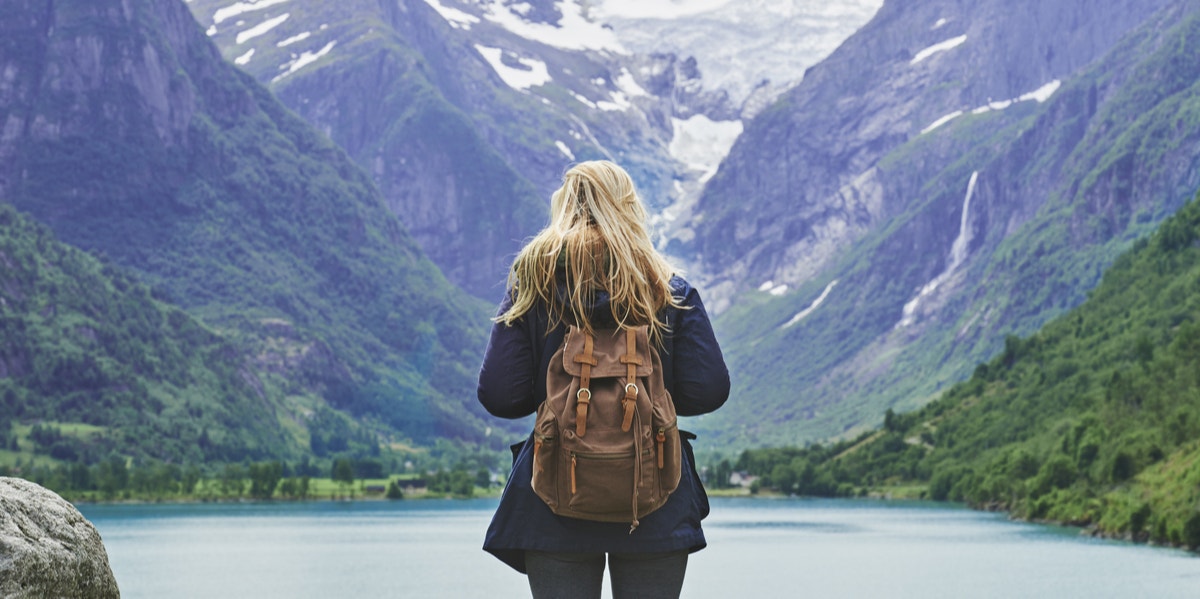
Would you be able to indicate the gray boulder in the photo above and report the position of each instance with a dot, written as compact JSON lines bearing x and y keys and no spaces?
{"x":47,"y":548}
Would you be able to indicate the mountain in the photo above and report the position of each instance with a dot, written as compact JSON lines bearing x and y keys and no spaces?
{"x":127,"y":133}
{"x":82,"y":342}
{"x":466,"y":113}
{"x":946,"y":178}
{"x":1094,"y":420}
{"x":346,"y":68}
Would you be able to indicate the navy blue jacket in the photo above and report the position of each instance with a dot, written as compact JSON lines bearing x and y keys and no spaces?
{"x":512,"y":382}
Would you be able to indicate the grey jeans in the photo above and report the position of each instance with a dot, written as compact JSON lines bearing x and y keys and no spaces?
{"x":581,"y":575}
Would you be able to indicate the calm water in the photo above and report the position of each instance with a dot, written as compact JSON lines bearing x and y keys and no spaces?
{"x":763,"y":548}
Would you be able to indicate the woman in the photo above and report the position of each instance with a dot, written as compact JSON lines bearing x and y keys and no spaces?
{"x":594,"y":266}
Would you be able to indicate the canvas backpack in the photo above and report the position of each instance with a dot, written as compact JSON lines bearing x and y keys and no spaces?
{"x":606,"y":441}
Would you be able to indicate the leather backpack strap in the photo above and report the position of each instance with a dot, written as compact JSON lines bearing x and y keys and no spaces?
{"x":583,"y":397}
{"x":631,"y":361}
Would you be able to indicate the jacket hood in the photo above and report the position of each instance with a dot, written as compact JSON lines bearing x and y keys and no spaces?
{"x":599,"y":309}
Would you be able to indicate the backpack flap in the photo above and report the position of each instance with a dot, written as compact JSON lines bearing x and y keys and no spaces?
{"x":609,"y":346}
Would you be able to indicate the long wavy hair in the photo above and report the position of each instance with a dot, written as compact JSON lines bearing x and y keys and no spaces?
{"x":597,"y":239}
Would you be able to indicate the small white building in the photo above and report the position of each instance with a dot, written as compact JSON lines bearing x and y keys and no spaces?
{"x":742,"y":479}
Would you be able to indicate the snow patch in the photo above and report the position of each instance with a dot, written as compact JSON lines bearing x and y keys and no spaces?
{"x":990,"y":106}
{"x":457,"y":18}
{"x":619,"y":102}
{"x":242,"y":7}
{"x":801,"y":315}
{"x":562,"y":147}
{"x":656,"y":9}
{"x":953,"y":42}
{"x":941,"y":121}
{"x":958,"y":255}
{"x":702,"y":143}
{"x":628,"y":85}
{"x":752,"y":49}
{"x":302,"y":61}
{"x":535,"y":72}
{"x":766,"y":286}
{"x":938,"y":24}
{"x":211,"y":31}
{"x":582,"y":100}
{"x":245,"y":58}
{"x":1042,"y":93}
{"x":573,"y":31}
{"x":295,"y":38}
{"x":778,"y":290}
{"x":261,"y":28}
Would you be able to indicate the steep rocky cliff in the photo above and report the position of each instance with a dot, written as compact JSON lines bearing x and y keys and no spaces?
{"x":946,"y":193}
{"x":127,"y":133}
{"x":354,"y":70}
{"x":774,"y":210}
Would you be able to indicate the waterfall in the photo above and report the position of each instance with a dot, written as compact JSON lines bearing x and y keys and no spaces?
{"x":958,"y":255}
{"x":958,"y":251}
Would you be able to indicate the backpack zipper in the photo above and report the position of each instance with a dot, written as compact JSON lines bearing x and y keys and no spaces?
{"x":539,"y":440}
{"x":662,"y":439}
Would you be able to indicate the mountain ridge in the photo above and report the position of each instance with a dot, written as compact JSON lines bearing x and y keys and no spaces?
{"x":541,"y":83}
{"x":906,"y":318}
{"x":135,"y":139}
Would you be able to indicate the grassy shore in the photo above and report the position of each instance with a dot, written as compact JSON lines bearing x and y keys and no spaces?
{"x":319,"y":489}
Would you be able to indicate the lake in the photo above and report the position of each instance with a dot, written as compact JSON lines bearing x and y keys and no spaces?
{"x":757,"y":547}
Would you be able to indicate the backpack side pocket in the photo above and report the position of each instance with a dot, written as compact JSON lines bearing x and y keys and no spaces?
{"x":667,"y":448}
{"x":545,"y":457}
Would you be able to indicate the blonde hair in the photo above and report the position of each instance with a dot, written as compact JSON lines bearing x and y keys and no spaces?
{"x":597,"y":235}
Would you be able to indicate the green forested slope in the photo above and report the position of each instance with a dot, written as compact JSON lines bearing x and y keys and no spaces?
{"x":132,"y":138}
{"x":85,"y":345}
{"x":1094,"y":420}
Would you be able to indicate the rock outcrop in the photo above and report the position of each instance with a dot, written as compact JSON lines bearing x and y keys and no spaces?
{"x":47,"y":548}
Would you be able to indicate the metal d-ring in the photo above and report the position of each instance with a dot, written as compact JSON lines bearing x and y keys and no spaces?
{"x":628,"y":392}
{"x":580,"y":391}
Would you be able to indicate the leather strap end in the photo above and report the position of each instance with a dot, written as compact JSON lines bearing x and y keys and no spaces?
{"x":581,"y":414}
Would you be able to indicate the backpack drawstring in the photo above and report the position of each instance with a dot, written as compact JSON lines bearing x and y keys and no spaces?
{"x":637,"y":468}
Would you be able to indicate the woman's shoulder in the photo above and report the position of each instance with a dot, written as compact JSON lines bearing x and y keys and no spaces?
{"x":679,"y":286}
{"x":684,"y":292}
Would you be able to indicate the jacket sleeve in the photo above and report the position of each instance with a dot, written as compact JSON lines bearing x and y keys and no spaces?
{"x":506,"y":379}
{"x":701,"y":378}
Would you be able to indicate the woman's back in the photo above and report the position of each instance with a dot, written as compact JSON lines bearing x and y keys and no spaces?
{"x":594,"y":267}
